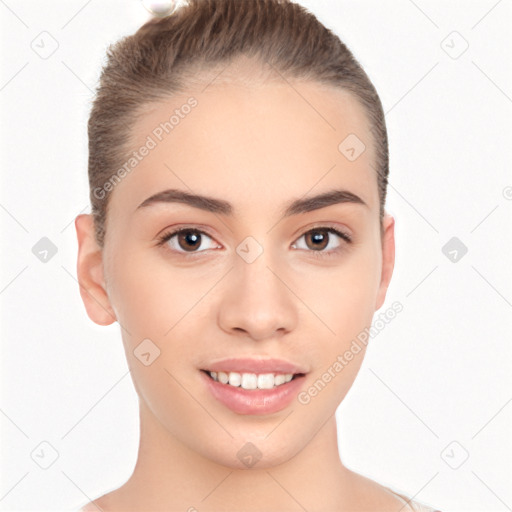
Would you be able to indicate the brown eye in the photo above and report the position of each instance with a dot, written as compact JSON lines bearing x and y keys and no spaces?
{"x":320,"y":241}
{"x":317,"y":240}
{"x":187,"y":240}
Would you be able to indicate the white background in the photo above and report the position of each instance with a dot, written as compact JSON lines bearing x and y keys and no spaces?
{"x":438,"y":373}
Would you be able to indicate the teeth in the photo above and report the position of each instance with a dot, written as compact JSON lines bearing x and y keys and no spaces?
{"x":266,"y":381}
{"x":235,"y":379}
{"x":252,"y":380}
{"x":249,"y":380}
{"x":279,"y":379}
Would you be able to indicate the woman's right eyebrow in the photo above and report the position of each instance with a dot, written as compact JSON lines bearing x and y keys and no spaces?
{"x":208,"y":204}
{"x":222,"y":207}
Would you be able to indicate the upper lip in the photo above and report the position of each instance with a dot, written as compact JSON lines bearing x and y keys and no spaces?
{"x":250,"y":365}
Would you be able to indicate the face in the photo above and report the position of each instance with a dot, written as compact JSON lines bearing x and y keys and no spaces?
{"x":251,"y":278}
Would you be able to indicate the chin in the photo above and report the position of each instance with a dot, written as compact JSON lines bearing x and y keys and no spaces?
{"x":254,"y":452}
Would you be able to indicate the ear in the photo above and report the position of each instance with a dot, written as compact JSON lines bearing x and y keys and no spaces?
{"x":388,"y":258}
{"x":90,"y":273}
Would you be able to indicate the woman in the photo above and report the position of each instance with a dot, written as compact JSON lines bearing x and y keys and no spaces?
{"x":238,"y":171}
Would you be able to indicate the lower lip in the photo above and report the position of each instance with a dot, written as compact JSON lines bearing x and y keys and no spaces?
{"x":254,"y":401}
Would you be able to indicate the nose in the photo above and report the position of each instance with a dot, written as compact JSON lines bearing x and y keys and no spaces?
{"x":257,"y":301}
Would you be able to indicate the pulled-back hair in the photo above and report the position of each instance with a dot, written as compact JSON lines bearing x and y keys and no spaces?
{"x":169,"y":54}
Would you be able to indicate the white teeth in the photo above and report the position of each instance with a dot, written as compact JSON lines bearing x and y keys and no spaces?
{"x":252,"y":380}
{"x":223,"y":377}
{"x":266,"y":380}
{"x":279,"y":379}
{"x":234,"y":379}
{"x":249,"y":380}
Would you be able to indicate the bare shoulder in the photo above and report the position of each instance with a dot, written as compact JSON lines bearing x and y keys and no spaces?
{"x":93,"y":506}
{"x":105,"y":503}
{"x":370,"y":496}
{"x":90,"y":507}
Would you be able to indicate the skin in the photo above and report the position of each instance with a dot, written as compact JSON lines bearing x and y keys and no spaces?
{"x":258,"y":147}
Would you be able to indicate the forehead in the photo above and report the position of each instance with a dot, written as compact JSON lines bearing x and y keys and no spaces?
{"x":253,"y":145}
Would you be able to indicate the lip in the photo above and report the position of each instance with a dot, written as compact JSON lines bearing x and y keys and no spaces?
{"x":251,"y":365}
{"x":253,"y":401}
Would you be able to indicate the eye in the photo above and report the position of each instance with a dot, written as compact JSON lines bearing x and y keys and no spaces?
{"x":188,"y":241}
{"x":318,"y":239}
{"x":185,"y":240}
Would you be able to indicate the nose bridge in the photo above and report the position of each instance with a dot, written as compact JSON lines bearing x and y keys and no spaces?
{"x":255,"y":268}
{"x":258,"y":301}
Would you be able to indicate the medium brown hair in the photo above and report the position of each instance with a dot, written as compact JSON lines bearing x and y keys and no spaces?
{"x":166,"y":55}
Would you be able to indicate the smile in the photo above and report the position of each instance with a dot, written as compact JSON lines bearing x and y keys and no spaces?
{"x":241,"y":393}
{"x":251,"y":381}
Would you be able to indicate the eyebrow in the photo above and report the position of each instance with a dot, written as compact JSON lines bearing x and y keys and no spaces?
{"x":219,"y":206}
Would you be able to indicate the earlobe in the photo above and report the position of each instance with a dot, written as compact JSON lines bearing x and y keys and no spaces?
{"x":388,"y":258}
{"x":90,"y":273}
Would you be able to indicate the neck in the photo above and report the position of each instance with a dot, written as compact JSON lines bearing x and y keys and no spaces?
{"x":169,"y":475}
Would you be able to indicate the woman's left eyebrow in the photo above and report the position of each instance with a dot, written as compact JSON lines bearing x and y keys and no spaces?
{"x":222,"y":207}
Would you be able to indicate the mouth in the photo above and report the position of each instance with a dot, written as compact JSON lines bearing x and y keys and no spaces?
{"x":250,"y":393}
{"x":252,"y":381}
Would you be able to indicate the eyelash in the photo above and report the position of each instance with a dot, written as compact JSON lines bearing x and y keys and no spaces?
{"x":318,"y":254}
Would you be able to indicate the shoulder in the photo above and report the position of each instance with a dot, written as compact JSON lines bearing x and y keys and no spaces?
{"x":376,"y":496}
{"x":371,"y":495}
{"x":112,"y":501}
{"x":102,"y":504}
{"x":89,"y":507}
{"x":412,"y":505}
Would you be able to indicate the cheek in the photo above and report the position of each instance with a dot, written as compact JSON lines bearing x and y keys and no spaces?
{"x":345,"y":302}
{"x":137,"y":295}
{"x":344,"y":295}
{"x":156,"y":304}
{"x":154,"y":300}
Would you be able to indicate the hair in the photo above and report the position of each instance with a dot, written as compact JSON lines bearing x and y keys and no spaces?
{"x":169,"y":54}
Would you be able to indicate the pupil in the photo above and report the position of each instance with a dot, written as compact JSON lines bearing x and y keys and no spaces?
{"x":192,"y":238}
{"x":319,"y":239}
